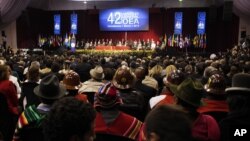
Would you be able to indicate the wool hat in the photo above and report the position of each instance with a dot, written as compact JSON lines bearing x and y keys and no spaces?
{"x":97,"y":73}
{"x":124,"y":78}
{"x":71,"y":81}
{"x":240,"y":82}
{"x":189,"y":91}
{"x":209,"y":71}
{"x":107,"y":97}
{"x":50,"y":88}
{"x":216,"y":84}
{"x":175,"y":77}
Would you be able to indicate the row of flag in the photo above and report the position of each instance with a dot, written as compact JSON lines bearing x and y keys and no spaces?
{"x":198,"y":41}
{"x":56,"y":40}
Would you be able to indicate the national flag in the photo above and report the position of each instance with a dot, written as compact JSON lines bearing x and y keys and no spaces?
{"x":173,"y":41}
{"x":165,"y":38}
{"x":169,"y":41}
{"x":177,"y":41}
{"x":205,"y":41}
{"x":39,"y":40}
{"x":181,"y":42}
{"x":196,"y":41}
{"x":201,"y":41}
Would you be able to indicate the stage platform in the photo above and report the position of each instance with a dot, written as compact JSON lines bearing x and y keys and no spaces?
{"x":114,"y":52}
{"x":112,"y":48}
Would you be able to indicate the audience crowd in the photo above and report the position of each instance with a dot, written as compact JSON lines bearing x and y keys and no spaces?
{"x":83,"y":97}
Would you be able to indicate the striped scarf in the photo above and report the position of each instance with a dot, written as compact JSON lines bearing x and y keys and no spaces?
{"x":29,"y":117}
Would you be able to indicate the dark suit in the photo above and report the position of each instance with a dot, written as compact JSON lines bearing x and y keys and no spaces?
{"x":231,"y":122}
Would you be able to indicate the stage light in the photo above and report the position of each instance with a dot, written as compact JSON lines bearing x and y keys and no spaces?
{"x":73,"y":45}
{"x":85,"y":2}
{"x":180,"y":0}
{"x":73,"y":41}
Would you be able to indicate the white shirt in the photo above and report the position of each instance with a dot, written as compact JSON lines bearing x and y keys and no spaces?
{"x":13,"y":79}
{"x":155,"y":100}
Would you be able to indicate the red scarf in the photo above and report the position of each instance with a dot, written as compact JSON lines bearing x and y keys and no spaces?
{"x":124,"y":125}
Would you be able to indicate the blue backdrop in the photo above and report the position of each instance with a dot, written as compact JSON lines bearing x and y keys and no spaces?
{"x":73,"y":26}
{"x":126,"y":19}
{"x":57,"y":24}
{"x":201,"y":23}
{"x":178,"y":23}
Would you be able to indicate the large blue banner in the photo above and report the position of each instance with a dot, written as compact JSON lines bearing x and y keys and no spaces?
{"x":57,"y":24}
{"x":125,"y":19}
{"x":73,"y":27}
{"x":178,"y":23}
{"x":201,"y":23}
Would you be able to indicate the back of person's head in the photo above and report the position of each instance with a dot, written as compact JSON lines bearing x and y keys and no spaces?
{"x":247,"y":67}
{"x":55,"y":67}
{"x":151,"y":64}
{"x":140,"y":73}
{"x":48,"y":63}
{"x":35,"y":63}
{"x":189,"y":69}
{"x":70,"y":119}
{"x":109,"y":74}
{"x":155,"y":71}
{"x":169,"y":69}
{"x":4,"y":72}
{"x":166,"y":123}
{"x":239,"y":94}
{"x":84,"y":58}
{"x":33,"y":73}
{"x":200,"y":68}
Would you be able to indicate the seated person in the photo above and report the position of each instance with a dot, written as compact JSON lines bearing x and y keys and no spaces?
{"x":71,"y":82}
{"x":109,"y":119}
{"x":166,"y":123}
{"x":167,"y":97}
{"x":91,"y":86}
{"x":30,"y":121}
{"x":188,"y":95}
{"x":238,"y":98}
{"x":216,"y":105}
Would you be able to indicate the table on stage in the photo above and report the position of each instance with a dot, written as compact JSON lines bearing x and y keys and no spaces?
{"x":112,"y":48}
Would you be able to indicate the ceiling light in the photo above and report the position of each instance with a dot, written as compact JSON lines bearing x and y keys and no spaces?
{"x":180,"y":0}
{"x":85,"y":2}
